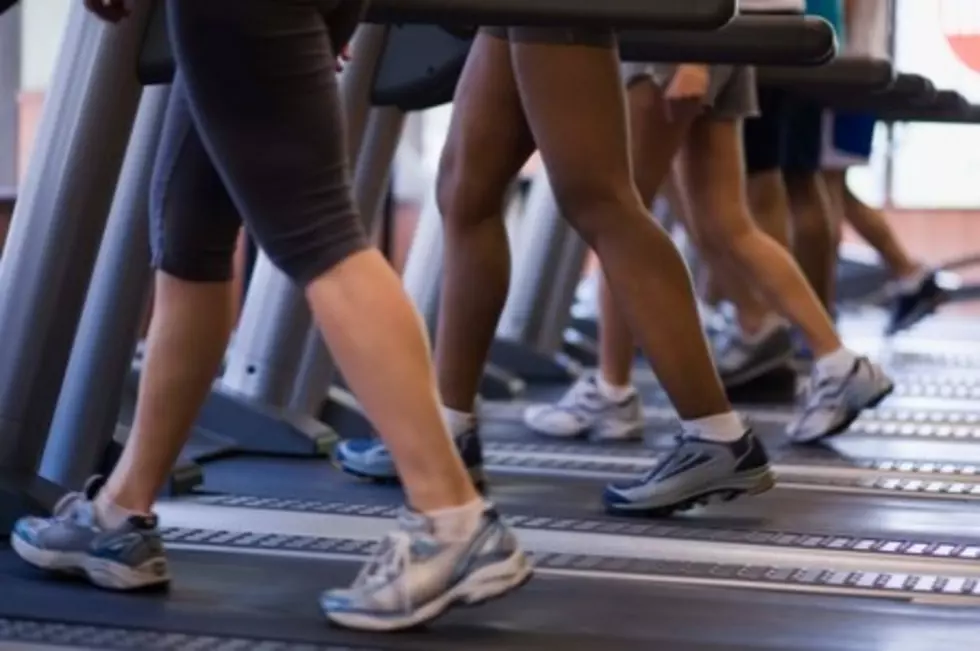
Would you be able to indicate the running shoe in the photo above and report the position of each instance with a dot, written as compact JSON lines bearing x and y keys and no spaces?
{"x":72,"y":541}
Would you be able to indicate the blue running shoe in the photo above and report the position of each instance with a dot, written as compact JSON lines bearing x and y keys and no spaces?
{"x":692,"y":473}
{"x":72,"y":541}
{"x":370,"y":459}
{"x":414,"y":577}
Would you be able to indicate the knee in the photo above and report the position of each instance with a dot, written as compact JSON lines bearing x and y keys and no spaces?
{"x":730,"y":238}
{"x":594,"y":208}
{"x":466,"y":198}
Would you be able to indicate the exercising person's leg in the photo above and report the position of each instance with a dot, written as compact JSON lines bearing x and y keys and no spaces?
{"x":813,"y":221}
{"x":915,"y":292}
{"x":652,"y":153}
{"x":276,"y":141}
{"x":734,"y":462}
{"x":712,"y":162}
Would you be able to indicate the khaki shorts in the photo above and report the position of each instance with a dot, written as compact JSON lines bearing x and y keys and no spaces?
{"x":731,"y":92}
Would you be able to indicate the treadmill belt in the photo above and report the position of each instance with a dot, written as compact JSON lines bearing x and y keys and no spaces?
{"x":783,"y":509}
{"x":263,"y":598}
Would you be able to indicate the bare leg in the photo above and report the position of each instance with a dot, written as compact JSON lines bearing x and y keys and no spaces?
{"x":488,"y":142}
{"x":715,"y":178}
{"x":186,"y":341}
{"x":369,"y":323}
{"x":652,"y":149}
{"x":562,"y":89}
{"x":871,"y":225}
{"x":769,"y":204}
{"x":813,"y":239}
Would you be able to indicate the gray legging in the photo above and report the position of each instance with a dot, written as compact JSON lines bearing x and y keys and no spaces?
{"x":254,"y":132}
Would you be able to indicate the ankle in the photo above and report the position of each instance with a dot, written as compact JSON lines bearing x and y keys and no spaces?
{"x":726,"y":427}
{"x":111,"y":514}
{"x":835,"y":364}
{"x":615,"y":390}
{"x":457,"y":523}
{"x":458,"y":422}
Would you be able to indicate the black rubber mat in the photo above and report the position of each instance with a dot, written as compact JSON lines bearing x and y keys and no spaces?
{"x":817,"y":512}
{"x":261,"y":600}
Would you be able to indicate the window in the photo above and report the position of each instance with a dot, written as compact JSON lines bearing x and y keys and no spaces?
{"x":938,"y":165}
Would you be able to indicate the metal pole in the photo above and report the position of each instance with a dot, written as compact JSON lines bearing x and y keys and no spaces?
{"x":423,"y":266}
{"x":10,"y":44}
{"x":59,"y":220}
{"x":58,"y":223}
{"x":85,"y":419}
{"x":541,"y":241}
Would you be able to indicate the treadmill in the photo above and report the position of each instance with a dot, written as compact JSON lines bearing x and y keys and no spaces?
{"x":251,"y":552}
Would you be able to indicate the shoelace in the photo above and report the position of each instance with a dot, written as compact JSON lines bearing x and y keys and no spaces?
{"x":387,"y":568}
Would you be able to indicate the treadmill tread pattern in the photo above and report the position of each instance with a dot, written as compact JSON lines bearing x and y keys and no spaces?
{"x":126,"y":639}
{"x":829,"y":542}
{"x":501,"y":451}
{"x":616,"y":470}
{"x":802,"y":578}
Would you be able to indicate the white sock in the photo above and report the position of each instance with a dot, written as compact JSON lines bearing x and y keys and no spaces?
{"x":458,"y":421}
{"x":837,"y":364}
{"x":724,"y":428}
{"x":612,"y":392}
{"x":770,"y":324}
{"x":912,"y":282}
{"x":458,"y":523}
{"x":110,"y":515}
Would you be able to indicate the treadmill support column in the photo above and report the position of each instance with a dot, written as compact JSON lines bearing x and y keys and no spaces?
{"x":547,"y":247}
{"x":58,"y":224}
{"x":85,"y":420}
{"x":10,"y":45}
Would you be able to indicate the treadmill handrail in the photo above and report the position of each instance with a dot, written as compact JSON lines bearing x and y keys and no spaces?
{"x":841,"y":74}
{"x":640,"y":14}
{"x":746,"y":40}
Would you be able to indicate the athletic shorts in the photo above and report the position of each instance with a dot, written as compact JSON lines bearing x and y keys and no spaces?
{"x":731,"y":89}
{"x":787,"y":135}
{"x":847,"y":140}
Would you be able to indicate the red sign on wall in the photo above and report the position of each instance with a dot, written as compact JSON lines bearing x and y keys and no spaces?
{"x":960,"y":20}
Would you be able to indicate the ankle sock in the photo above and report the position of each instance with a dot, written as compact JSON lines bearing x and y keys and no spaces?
{"x":110,"y":515}
{"x":458,"y":421}
{"x":771,"y":324}
{"x":457,"y":524}
{"x":836,"y":364}
{"x":726,"y":427}
{"x":612,"y":392}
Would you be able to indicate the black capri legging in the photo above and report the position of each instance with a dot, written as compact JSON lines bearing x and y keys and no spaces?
{"x":254,"y":132}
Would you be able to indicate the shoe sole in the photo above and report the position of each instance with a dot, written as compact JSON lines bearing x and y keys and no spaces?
{"x":852,"y":416}
{"x":745,"y":486}
{"x":483,"y":586}
{"x":98,"y":571}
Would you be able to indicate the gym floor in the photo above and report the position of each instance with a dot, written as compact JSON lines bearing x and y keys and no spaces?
{"x":866,"y":544}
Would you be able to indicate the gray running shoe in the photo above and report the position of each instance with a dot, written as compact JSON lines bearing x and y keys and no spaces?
{"x":740,"y":362}
{"x":584,"y":410}
{"x":695,"y":471}
{"x":414,"y":578}
{"x":129,"y":557}
{"x":833,"y":403}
